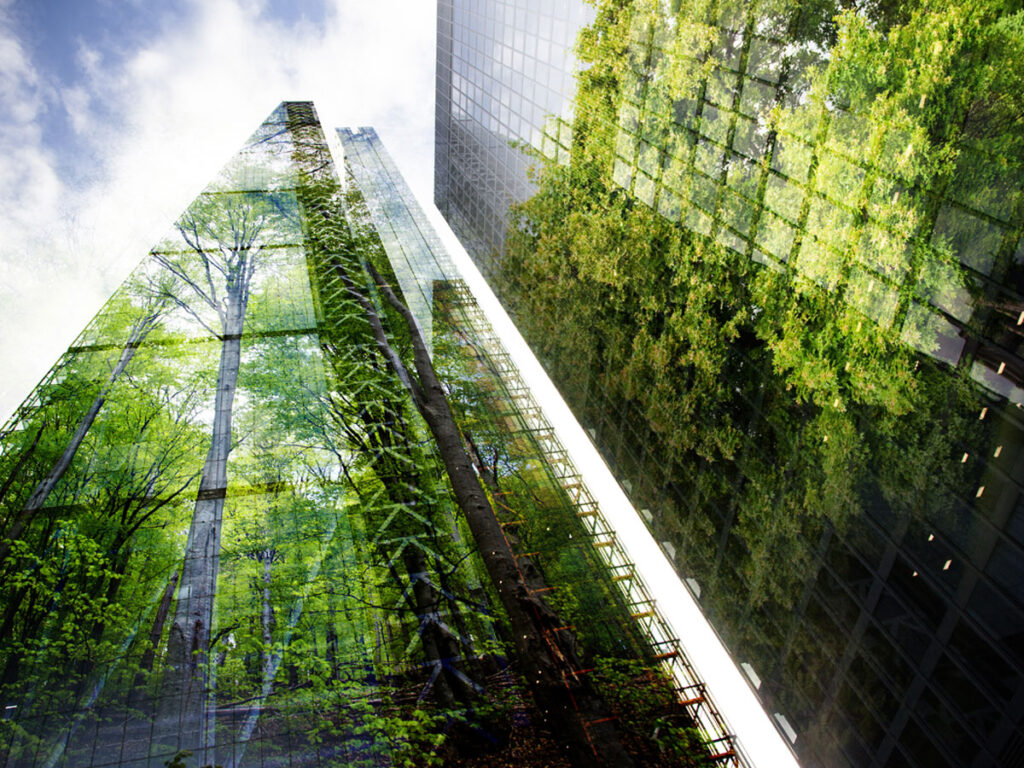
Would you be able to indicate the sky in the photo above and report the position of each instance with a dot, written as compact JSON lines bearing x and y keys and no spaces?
{"x":118,"y":112}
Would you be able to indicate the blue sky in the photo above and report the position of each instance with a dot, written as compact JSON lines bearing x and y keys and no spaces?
{"x":54,"y":37}
{"x":59,"y":34}
{"x":119,"y":111}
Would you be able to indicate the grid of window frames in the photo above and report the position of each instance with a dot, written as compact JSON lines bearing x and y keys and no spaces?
{"x":504,"y":84}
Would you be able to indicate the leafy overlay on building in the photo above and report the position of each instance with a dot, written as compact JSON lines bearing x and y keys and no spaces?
{"x":776,"y":266}
{"x":249,"y":518}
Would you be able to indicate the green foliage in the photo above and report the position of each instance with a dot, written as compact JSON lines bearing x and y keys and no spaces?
{"x":648,"y":709}
{"x":761,"y":311}
{"x":180,"y":760}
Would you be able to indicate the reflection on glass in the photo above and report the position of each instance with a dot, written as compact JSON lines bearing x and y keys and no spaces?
{"x":779,"y":281}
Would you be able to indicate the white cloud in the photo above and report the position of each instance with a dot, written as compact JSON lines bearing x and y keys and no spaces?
{"x":30,"y":200}
{"x":159,"y":123}
{"x":25,"y":165}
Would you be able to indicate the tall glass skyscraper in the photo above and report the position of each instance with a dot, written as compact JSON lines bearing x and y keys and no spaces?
{"x":286,"y":501}
{"x":779,"y":279}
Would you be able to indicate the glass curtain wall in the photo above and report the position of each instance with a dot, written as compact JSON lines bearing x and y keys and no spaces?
{"x":780,"y":281}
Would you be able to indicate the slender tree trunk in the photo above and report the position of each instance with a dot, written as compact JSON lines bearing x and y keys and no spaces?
{"x":157,"y":631}
{"x":185,"y":713}
{"x":31,"y":615}
{"x":13,"y":609}
{"x":385,"y":432}
{"x":438,"y":642}
{"x":30,"y":628}
{"x":47,"y":484}
{"x":270,"y":662}
{"x":25,"y":456}
{"x":10,"y":614}
{"x":272,"y":657}
{"x":114,"y":581}
{"x":266,"y":615}
{"x":331,"y":639}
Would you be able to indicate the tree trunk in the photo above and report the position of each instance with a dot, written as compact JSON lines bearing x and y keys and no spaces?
{"x":185,"y":717}
{"x":266,"y":615}
{"x":149,"y":656}
{"x":547,"y":658}
{"x":25,"y":456}
{"x":271,"y":657}
{"x":9,"y":674}
{"x":439,"y":645}
{"x":47,"y":484}
{"x":117,"y":570}
{"x":331,"y":639}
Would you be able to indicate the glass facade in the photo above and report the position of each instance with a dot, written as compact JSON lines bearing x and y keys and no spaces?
{"x":285,"y":501}
{"x":504,"y":92}
{"x":786,"y":301}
